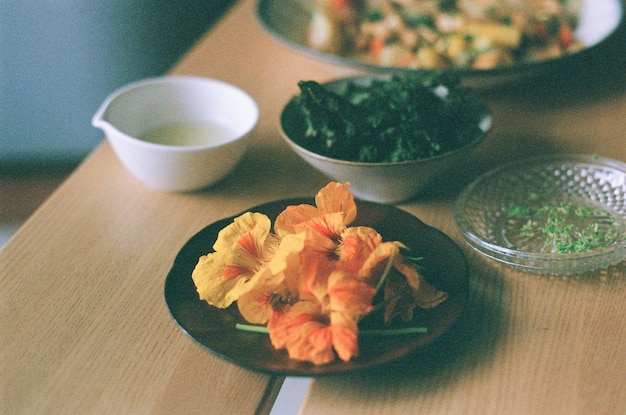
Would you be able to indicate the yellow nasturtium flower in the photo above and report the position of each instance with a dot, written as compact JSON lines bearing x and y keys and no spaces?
{"x":278,"y":286}
{"x":242,"y":250}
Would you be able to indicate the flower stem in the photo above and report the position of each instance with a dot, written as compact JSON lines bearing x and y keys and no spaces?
{"x":251,"y":328}
{"x":394,"y":332}
{"x":383,"y":278}
{"x":381,"y":332}
{"x":414,"y":259}
{"x":383,"y":303}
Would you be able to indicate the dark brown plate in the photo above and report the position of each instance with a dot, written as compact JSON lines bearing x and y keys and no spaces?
{"x":213,"y":328}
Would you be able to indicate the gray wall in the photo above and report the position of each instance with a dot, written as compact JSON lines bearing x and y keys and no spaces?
{"x":60,"y":58}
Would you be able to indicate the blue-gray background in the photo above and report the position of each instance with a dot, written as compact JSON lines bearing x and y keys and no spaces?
{"x":59,"y":59}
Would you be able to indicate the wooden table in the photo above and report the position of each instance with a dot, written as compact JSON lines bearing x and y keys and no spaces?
{"x":83,"y":324}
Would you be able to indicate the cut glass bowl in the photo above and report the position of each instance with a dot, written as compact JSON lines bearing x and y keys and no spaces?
{"x":560,"y":214}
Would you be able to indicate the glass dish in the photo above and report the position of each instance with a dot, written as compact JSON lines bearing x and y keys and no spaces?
{"x":560,"y":214}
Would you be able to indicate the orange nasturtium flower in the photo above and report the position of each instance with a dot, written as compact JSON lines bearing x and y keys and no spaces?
{"x":313,"y":279}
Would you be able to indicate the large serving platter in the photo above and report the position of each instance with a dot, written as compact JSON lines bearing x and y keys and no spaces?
{"x":215,"y":329}
{"x":288,"y":22}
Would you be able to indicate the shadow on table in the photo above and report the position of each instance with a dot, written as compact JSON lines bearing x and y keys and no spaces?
{"x":467,"y":346}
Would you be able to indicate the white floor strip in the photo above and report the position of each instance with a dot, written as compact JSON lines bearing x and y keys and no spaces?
{"x":291,"y":396}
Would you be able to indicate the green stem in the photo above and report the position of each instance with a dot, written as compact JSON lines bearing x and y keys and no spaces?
{"x":251,"y":328}
{"x":383,"y":278}
{"x":382,"y":332}
{"x":413,"y":259}
{"x":383,"y":303}
{"x":394,"y":332}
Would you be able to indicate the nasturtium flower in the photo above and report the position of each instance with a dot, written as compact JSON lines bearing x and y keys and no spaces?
{"x":349,"y":295}
{"x":242,"y":250}
{"x":334,"y":198}
{"x":314,"y":278}
{"x":326,"y":320}
{"x":402,"y":299}
{"x":311,"y":332}
{"x":259,"y":304}
{"x":404,"y":288}
{"x":277,"y":286}
{"x":318,"y":331}
{"x":304,"y":331}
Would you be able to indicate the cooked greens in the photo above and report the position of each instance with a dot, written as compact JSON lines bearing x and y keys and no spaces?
{"x":388,"y":120}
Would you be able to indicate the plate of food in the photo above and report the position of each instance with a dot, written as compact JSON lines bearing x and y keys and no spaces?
{"x":477,"y":39}
{"x":223,"y":326}
{"x":556,"y":214}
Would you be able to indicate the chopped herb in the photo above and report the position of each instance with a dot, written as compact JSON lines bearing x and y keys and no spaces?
{"x":373,"y":16}
{"x":566,"y":227}
{"x":518,"y":211}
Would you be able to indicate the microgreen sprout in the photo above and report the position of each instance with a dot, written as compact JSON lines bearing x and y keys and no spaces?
{"x":566,"y":227}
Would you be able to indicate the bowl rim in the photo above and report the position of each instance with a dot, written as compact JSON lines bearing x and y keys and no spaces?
{"x":485,"y":124}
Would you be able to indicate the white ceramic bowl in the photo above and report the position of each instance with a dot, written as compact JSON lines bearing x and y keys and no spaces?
{"x":204,"y":127}
{"x":392,"y":182}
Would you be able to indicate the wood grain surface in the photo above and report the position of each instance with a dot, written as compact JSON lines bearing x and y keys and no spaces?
{"x":84,"y":328}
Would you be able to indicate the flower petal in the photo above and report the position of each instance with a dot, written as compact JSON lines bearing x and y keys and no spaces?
{"x":345,"y":336}
{"x":256,"y":223}
{"x":428,"y":296}
{"x":357,"y":245}
{"x":314,"y":344}
{"x":258,"y":305}
{"x":334,"y":197}
{"x":286,"y":260}
{"x":402,"y":298}
{"x":212,"y":286}
{"x":330,"y":225}
{"x":349,"y":295}
{"x":374,"y":266}
{"x":282,"y":325}
{"x":294,"y":215}
{"x":424,"y":294}
{"x":316,"y":265}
